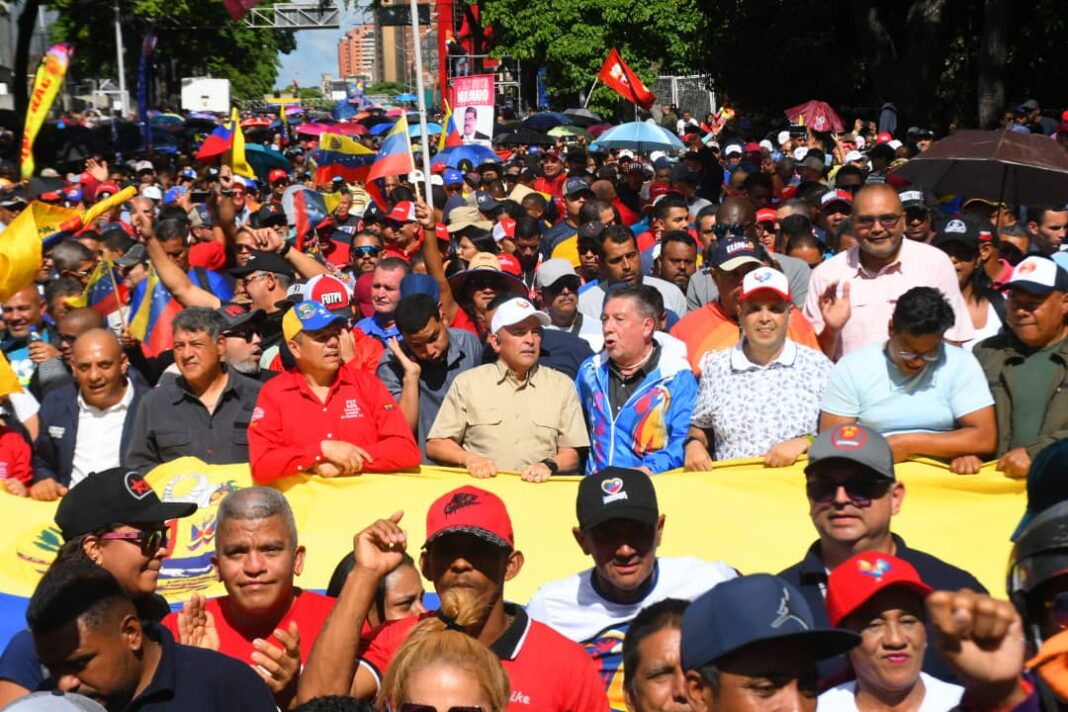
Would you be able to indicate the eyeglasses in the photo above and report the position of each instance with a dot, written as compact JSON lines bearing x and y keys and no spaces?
{"x":248,"y":279}
{"x":366,"y":251}
{"x":910,"y":356}
{"x":861,"y":490}
{"x":413,"y":707}
{"x":868,"y":221}
{"x":150,"y":540}
{"x":244,"y":248}
{"x":1057,"y":609}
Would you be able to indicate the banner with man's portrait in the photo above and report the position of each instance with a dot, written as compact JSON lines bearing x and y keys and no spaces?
{"x":473,"y":108}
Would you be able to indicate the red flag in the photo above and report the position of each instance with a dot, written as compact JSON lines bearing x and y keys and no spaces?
{"x":238,"y":8}
{"x":616,"y":74}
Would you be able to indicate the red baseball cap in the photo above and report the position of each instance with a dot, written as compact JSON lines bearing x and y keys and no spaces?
{"x":109,"y":188}
{"x":659,"y":189}
{"x":884,"y":137}
{"x":836,"y":196}
{"x":509,"y":264}
{"x":470,"y":510}
{"x":277,"y":174}
{"x":860,"y":578}
{"x":767,"y":215}
{"x":402,"y":212}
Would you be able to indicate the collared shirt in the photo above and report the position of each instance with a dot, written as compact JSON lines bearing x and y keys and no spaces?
{"x":621,"y":388}
{"x":486,"y":411}
{"x":370,"y":326}
{"x":810,"y":577}
{"x":591,"y":301}
{"x":548,"y":672}
{"x":189,"y":678}
{"x":98,"y":446}
{"x":751,"y":408}
{"x":172,"y":422}
{"x":290,"y":422}
{"x":465,"y":352}
{"x":873,"y":295}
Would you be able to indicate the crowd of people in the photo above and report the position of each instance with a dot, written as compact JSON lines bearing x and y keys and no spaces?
{"x":557,"y":311}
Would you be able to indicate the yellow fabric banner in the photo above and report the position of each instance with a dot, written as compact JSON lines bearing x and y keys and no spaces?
{"x":753,"y":518}
{"x":46,"y":83}
{"x":235,"y":157}
{"x":20,"y":244}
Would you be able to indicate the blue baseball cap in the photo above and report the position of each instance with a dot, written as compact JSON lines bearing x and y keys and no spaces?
{"x":308,"y":316}
{"x":577,"y":185}
{"x":416,"y":283}
{"x":485,"y":201}
{"x":188,"y":173}
{"x":452,"y":177}
{"x":753,"y":609}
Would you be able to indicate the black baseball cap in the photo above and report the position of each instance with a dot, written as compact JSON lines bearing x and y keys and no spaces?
{"x":263,"y":262}
{"x":958,"y":230}
{"x":271,"y":214}
{"x":747,"y":610}
{"x":616,"y":493}
{"x":734,"y":251}
{"x":236,"y":315}
{"x":115,"y":496}
{"x":574,"y":186}
{"x":855,"y":443}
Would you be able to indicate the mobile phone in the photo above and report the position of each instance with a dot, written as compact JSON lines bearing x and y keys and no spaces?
{"x":198,"y":196}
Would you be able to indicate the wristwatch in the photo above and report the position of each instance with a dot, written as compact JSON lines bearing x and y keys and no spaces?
{"x":551,"y":464}
{"x":692,"y":439}
{"x":285,"y":249}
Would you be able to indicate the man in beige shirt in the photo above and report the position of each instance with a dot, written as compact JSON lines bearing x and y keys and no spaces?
{"x":511,"y":415}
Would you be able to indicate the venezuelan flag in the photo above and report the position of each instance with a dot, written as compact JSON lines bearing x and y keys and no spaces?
{"x":216,"y":144}
{"x":395,"y":155}
{"x":153,"y":309}
{"x":105,"y":292}
{"x":339,"y":155}
{"x":450,"y":137}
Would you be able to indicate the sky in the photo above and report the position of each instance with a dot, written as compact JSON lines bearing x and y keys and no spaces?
{"x":316,"y":53}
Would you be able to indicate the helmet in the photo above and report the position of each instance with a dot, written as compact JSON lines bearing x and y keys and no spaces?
{"x":1039,"y":556}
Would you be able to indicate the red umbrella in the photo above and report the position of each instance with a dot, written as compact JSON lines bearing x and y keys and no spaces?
{"x":349,"y":129}
{"x":816,"y":115}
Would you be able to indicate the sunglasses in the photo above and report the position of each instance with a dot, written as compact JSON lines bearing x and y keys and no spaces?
{"x":479,"y":283}
{"x":861,"y":490}
{"x":413,"y":707}
{"x":150,"y":540}
{"x":1057,"y":609}
{"x":246,"y":334}
{"x":366,"y":251}
{"x":868,"y":221}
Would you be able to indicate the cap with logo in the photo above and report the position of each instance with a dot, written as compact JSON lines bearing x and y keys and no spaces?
{"x":616,"y":493}
{"x":734,"y":251}
{"x":329,"y":291}
{"x":747,"y":610}
{"x":308,"y":316}
{"x":515,"y":311}
{"x":854,"y":443}
{"x":452,"y":177}
{"x":912,"y":199}
{"x":485,"y":201}
{"x":277,"y":175}
{"x":574,"y":186}
{"x":836,"y":196}
{"x":505,"y":228}
{"x":114,"y":496}
{"x":402,"y":212}
{"x":189,"y":173}
{"x":858,"y":579}
{"x":510,"y":264}
{"x":263,"y":262}
{"x":591,"y":230}
{"x":236,"y":315}
{"x":551,"y":271}
{"x":271,"y":214}
{"x":958,"y":230}
{"x":470,"y":510}
{"x":765,"y":279}
{"x":1039,"y":275}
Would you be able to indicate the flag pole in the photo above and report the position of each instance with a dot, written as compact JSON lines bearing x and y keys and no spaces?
{"x":424,"y":138}
{"x":115,"y":286}
{"x":590,"y":93}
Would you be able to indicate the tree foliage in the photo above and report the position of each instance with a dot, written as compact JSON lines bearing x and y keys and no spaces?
{"x":571,"y":38}
{"x":196,"y":38}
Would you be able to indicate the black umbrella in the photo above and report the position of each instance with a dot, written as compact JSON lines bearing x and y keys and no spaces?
{"x":582,"y":117}
{"x":525,"y":137}
{"x":1005,"y":166}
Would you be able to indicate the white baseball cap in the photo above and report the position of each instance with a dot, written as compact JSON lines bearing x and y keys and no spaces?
{"x":855,"y":156}
{"x":515,"y":311}
{"x":783,"y":137}
{"x":732,"y":149}
{"x":765,"y":278}
{"x":152,"y":192}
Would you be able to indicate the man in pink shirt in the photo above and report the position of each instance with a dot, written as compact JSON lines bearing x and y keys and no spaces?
{"x":852,"y":295}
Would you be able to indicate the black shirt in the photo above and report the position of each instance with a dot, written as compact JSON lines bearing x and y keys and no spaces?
{"x":621,"y":388}
{"x":190,"y":678}
{"x":810,"y":577}
{"x":171,"y":422}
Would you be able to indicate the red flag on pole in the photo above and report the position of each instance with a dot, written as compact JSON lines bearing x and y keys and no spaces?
{"x":616,"y":74}
{"x":238,"y":8}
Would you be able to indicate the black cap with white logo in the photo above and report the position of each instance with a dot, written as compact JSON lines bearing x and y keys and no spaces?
{"x":114,"y":496}
{"x":616,"y":493}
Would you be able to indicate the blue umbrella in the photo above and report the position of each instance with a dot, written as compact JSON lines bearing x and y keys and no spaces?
{"x":263,"y":160}
{"x":343,"y":110}
{"x":431,"y":129}
{"x":473,"y":153}
{"x":379,"y":129}
{"x":406,"y":97}
{"x":545,"y":120}
{"x":639,"y":136}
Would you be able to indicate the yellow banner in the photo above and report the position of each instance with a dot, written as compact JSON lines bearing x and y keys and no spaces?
{"x":20,"y":244}
{"x":752,"y":518}
{"x":45,"y":87}
{"x":104,"y":206}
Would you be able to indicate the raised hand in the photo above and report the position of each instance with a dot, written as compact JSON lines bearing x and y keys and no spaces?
{"x":380,"y":547}
{"x":279,"y":667}
{"x":835,"y":308}
{"x":196,"y":626}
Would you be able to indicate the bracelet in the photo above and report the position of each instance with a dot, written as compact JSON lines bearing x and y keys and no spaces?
{"x":692,"y":439}
{"x":551,"y":464}
{"x":285,"y":249}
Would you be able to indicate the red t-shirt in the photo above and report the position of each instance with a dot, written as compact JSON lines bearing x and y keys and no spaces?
{"x":463,"y":321}
{"x":548,"y":672}
{"x":15,"y":456}
{"x":309,"y":611}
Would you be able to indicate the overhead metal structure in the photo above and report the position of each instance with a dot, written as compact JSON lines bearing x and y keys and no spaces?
{"x":295,"y":16}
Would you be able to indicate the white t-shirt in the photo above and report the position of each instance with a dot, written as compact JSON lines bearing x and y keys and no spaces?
{"x":576,"y":610}
{"x":938,"y":696}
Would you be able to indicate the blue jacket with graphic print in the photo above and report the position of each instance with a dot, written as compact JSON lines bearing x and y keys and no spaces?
{"x":651,"y":427}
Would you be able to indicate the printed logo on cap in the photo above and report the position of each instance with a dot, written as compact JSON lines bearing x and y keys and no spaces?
{"x":849,"y":437}
{"x":876,"y":571}
{"x":956,"y":226}
{"x":739,"y":246}
{"x":306,"y":310}
{"x":235,"y":310}
{"x":613,"y":490}
{"x":786,"y":612}
{"x":137,"y":486}
{"x":762,"y":276}
{"x":460,"y":500}
{"x":1025,"y":267}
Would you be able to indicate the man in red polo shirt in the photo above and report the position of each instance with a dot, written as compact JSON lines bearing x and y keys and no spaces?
{"x":470,"y":545}
{"x":324,"y":418}
{"x":264,"y":620}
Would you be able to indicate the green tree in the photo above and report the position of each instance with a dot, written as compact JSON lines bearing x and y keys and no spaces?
{"x":571,"y":38}
{"x":386,"y":88}
{"x":196,"y":38}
